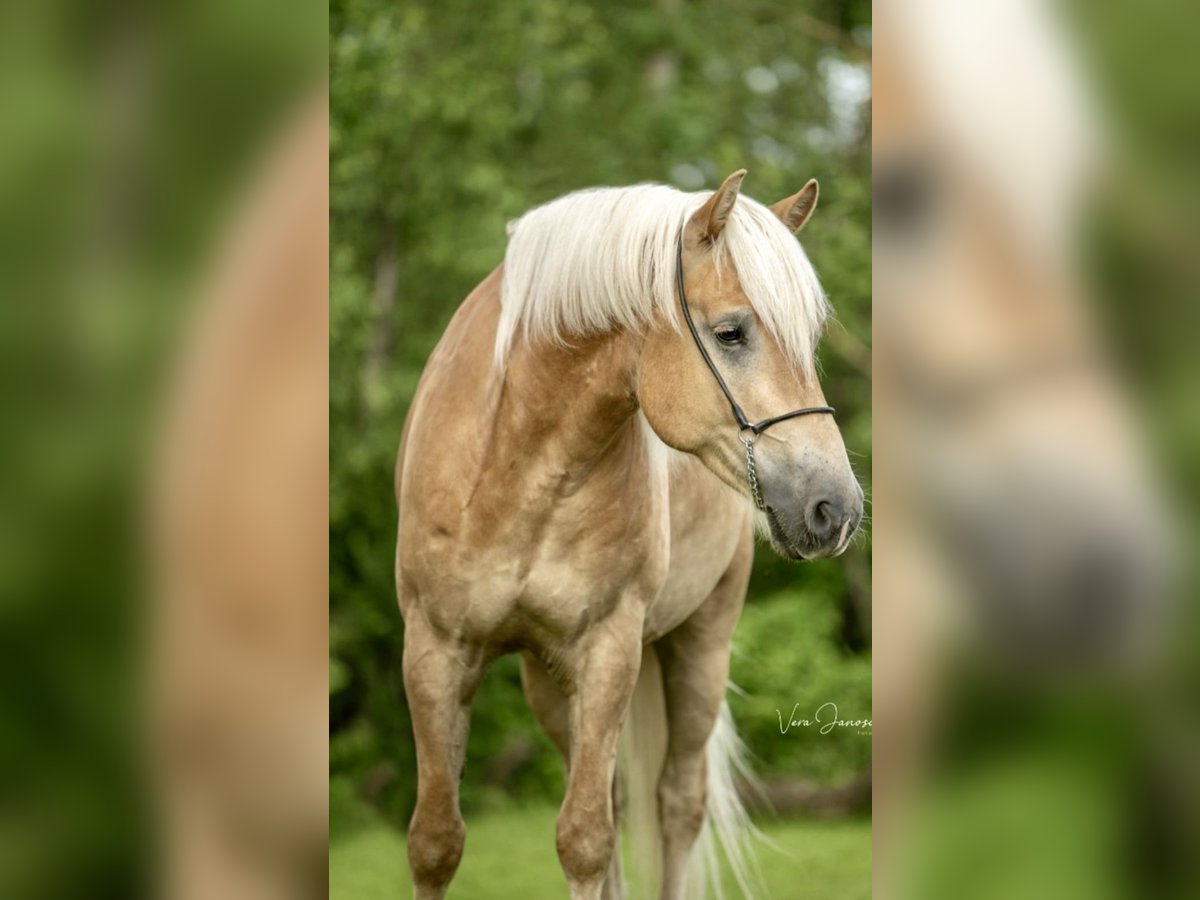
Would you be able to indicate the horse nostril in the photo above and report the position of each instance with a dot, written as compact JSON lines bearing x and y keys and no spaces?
{"x":823,"y":517}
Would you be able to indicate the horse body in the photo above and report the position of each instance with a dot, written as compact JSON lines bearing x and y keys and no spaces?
{"x":602,"y":500}
{"x":542,"y":512}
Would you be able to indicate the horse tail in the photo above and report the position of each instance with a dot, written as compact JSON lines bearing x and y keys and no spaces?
{"x":643,"y":752}
{"x":727,"y":830}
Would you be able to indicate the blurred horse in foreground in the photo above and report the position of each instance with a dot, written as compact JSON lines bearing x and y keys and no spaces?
{"x":1019,"y":534}
{"x":239,"y":690}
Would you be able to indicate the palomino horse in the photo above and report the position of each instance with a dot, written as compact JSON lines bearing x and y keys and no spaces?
{"x":238,"y":545}
{"x":1020,"y":534}
{"x":572,"y":486}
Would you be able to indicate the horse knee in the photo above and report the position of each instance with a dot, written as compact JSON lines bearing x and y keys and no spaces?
{"x":435,"y":846}
{"x":585,"y":846}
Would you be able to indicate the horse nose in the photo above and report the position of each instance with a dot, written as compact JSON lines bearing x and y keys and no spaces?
{"x":824,"y":517}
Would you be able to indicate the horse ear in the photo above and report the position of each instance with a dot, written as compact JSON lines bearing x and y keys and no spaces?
{"x":795,"y":210}
{"x":709,"y":220}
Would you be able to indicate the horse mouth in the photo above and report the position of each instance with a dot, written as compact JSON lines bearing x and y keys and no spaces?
{"x":781,"y":541}
{"x":807,"y":548}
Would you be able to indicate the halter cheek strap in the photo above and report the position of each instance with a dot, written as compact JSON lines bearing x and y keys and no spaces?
{"x":744,"y":425}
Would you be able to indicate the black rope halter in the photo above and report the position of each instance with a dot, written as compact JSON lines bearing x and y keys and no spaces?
{"x":744,"y":425}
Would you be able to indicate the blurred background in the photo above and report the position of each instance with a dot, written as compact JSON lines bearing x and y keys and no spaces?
{"x":446,"y":122}
{"x":133,"y":137}
{"x":1026,"y":743}
{"x":1035,"y":311}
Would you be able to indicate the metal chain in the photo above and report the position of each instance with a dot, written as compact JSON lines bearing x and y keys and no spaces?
{"x":752,"y":473}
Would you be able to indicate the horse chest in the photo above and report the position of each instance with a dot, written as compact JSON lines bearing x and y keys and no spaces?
{"x":583,"y":570}
{"x":543,"y":584}
{"x":707,"y":521}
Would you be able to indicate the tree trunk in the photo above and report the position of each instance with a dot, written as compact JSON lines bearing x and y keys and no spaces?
{"x":383,"y":300}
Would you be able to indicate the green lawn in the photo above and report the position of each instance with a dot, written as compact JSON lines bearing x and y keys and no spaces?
{"x":511,"y":854}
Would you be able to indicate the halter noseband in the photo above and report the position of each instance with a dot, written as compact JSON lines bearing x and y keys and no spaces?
{"x":743,"y":424}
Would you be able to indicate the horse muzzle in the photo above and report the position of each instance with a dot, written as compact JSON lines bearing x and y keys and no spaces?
{"x":816,"y":525}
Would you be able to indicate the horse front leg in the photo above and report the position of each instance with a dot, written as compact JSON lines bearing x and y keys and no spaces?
{"x":440,"y":678}
{"x":551,"y":707}
{"x":602,"y":684}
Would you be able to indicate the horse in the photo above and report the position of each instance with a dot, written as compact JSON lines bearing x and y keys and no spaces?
{"x":578,"y":483}
{"x":238,"y":546}
{"x":1022,"y":538}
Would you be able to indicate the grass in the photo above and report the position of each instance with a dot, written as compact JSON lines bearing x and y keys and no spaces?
{"x":511,"y":854}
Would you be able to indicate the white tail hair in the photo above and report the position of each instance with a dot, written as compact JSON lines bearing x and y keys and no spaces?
{"x":604,"y":258}
{"x":727,"y":832}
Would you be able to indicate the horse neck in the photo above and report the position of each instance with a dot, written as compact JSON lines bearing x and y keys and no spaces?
{"x":567,"y":406}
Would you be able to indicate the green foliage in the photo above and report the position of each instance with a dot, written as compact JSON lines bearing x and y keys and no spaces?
{"x":449,"y":119}
{"x":787,"y":664}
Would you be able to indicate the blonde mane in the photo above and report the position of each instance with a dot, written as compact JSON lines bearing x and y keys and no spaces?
{"x":604,"y":258}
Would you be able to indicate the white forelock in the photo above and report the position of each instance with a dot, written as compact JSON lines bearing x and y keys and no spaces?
{"x":604,"y":258}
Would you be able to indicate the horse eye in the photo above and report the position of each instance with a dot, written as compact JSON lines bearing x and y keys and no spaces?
{"x":902,"y":194}
{"x":729,"y":334}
